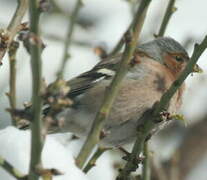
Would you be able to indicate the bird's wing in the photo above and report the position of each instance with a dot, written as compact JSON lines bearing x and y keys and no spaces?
{"x":104,"y":70}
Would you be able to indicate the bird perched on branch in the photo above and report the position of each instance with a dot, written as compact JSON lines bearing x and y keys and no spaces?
{"x":155,"y":66}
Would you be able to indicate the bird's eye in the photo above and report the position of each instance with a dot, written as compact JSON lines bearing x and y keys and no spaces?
{"x":179,"y":59}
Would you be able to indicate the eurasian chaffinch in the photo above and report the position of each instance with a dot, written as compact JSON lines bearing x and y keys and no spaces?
{"x":159,"y":62}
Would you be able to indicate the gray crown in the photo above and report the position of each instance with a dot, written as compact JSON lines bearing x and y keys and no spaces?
{"x":158,"y":47}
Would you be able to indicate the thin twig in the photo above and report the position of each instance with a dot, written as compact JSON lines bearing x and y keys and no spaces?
{"x":12,"y":77}
{"x":112,"y":91}
{"x":146,"y":163}
{"x":117,"y":48}
{"x":11,"y":170}
{"x":14,"y":24}
{"x":36,"y":66}
{"x":68,"y":39}
{"x":92,"y":161}
{"x":169,"y":11}
{"x":121,"y":42}
{"x":148,"y":118}
{"x":56,"y":38}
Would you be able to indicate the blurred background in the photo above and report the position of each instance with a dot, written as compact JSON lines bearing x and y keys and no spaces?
{"x":177,"y":152}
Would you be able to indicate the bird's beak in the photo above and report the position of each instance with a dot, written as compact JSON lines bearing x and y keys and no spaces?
{"x":197,"y":69}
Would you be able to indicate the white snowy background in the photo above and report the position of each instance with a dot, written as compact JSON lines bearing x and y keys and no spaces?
{"x":112,"y":18}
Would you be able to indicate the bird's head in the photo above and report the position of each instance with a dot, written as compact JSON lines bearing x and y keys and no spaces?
{"x":168,"y":52}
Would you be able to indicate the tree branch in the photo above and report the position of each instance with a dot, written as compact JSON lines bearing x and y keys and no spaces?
{"x":149,"y":117}
{"x":68,"y":39}
{"x":14,"y":25}
{"x":169,"y":11}
{"x":36,"y":66}
{"x":12,"y":77}
{"x":92,"y":161}
{"x":121,"y":42}
{"x":131,"y":42}
{"x":11,"y":170}
{"x":146,"y":163}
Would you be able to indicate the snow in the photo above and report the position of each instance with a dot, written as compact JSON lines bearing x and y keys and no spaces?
{"x":16,"y":150}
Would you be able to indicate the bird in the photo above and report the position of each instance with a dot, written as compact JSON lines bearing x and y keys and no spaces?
{"x":157,"y":64}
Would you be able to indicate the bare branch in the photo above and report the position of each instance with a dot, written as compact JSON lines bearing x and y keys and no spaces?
{"x":36,"y":66}
{"x":169,"y":11}
{"x":11,"y":170}
{"x":12,"y":79}
{"x":14,"y":25}
{"x":92,"y":161}
{"x":68,"y":39}
{"x":146,"y":163}
{"x":121,"y":42}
